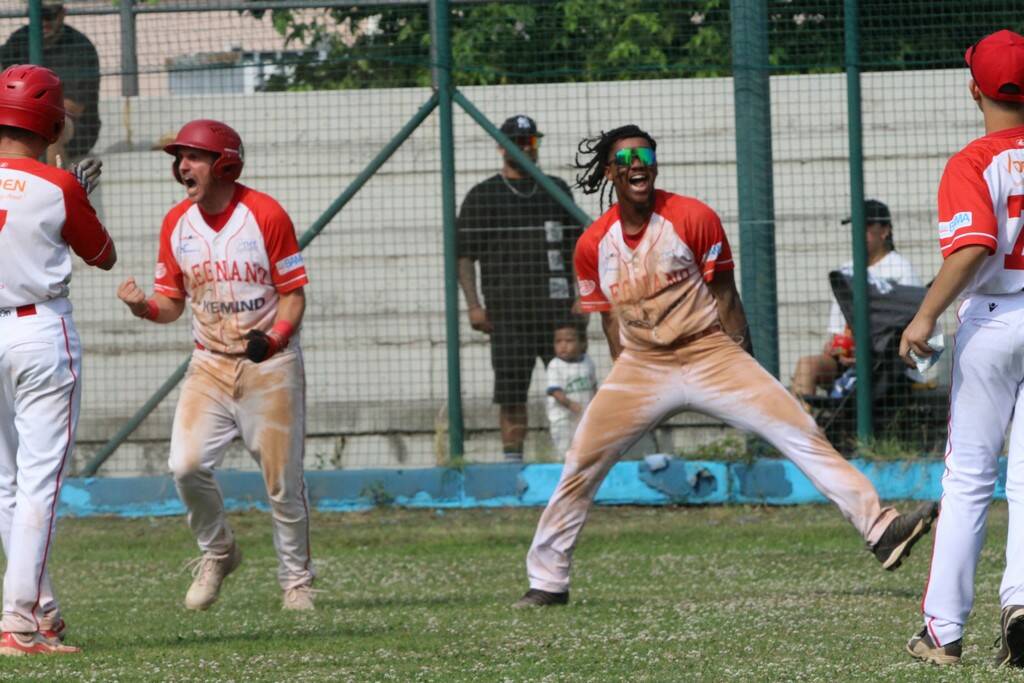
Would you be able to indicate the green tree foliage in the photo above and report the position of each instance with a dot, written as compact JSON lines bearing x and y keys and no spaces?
{"x":538,"y":41}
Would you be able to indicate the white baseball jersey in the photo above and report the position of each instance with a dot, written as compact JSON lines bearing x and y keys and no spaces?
{"x":654,"y":280}
{"x":577,"y":379}
{"x":981,"y":200}
{"x":44,"y":215}
{"x":232,"y":266}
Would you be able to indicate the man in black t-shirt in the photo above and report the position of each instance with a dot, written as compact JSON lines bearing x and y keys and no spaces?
{"x":523,"y":240}
{"x":73,"y":57}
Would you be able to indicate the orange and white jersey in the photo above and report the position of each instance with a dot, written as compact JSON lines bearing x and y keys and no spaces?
{"x":44,"y":215}
{"x":981,"y":202}
{"x":232,"y":266}
{"x":655,"y":281}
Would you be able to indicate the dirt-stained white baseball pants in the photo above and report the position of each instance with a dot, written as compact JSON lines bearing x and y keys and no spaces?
{"x":263,"y":403}
{"x":40,"y":390}
{"x":988,"y":369}
{"x":711,"y":375}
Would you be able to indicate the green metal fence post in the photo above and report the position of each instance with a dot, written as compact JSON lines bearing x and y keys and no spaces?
{"x":751,"y":94}
{"x":861,"y":316}
{"x":35,"y":32}
{"x":442,"y":68}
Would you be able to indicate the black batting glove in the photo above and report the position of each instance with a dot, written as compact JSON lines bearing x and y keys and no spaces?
{"x":260,"y":346}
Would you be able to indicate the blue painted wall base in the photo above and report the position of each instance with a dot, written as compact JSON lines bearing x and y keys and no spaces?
{"x":656,"y":480}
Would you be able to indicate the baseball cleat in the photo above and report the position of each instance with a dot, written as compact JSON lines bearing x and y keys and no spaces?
{"x":23,"y":644}
{"x":299,"y":599}
{"x":924,"y":648}
{"x":1011,"y":637}
{"x":55,"y":632}
{"x":538,"y":598}
{"x":902,"y":533}
{"x":210,"y":571}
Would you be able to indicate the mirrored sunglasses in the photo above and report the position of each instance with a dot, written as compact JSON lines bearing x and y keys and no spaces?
{"x":624,"y":157}
{"x":527,"y":141}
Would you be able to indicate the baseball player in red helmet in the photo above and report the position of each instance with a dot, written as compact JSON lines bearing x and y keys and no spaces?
{"x":658,"y":268}
{"x":232,"y":252}
{"x":44,"y":216}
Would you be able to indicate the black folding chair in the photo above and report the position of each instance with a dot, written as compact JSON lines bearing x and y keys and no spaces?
{"x":895,"y":403}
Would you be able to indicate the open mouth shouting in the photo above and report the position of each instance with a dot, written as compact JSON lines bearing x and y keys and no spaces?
{"x":639,"y":180}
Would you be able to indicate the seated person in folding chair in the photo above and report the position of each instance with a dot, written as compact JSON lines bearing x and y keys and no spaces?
{"x":885,"y":266}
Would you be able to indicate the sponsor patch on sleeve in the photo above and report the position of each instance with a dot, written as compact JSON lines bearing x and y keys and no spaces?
{"x":161,"y":270}
{"x":964,"y":219}
{"x":290,"y":263}
{"x":713,"y":252}
{"x":587,"y":287}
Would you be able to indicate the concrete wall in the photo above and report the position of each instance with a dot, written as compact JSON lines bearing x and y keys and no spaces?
{"x":374,"y":331}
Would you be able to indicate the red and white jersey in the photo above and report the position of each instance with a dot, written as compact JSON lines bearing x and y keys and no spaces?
{"x":231,"y":266}
{"x":655,"y":281}
{"x":44,"y":215}
{"x":981,"y":201}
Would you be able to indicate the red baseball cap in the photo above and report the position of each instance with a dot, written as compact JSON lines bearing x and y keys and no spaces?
{"x":997,"y":65}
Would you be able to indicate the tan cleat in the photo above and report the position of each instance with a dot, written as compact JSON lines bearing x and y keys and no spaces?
{"x":924,"y":648}
{"x":902,"y":533}
{"x":209,"y":571}
{"x":1011,"y":637}
{"x":299,"y":599}
{"x":24,"y":644}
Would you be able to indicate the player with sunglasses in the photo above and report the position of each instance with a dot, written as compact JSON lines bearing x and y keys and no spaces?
{"x":658,"y":268}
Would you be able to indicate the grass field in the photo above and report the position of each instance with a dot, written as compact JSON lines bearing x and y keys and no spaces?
{"x":669,"y":594}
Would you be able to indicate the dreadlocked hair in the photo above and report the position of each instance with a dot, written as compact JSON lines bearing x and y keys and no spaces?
{"x":591,"y":177}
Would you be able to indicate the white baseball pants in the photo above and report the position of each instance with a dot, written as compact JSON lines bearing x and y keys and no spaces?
{"x":40,"y":389}
{"x":988,"y":368}
{"x":263,"y":403}
{"x":713,"y":376}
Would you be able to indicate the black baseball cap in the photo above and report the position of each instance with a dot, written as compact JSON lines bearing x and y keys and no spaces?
{"x":874,"y":212}
{"x":519,"y":125}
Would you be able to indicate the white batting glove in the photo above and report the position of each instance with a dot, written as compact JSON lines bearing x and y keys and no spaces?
{"x":87,"y":173}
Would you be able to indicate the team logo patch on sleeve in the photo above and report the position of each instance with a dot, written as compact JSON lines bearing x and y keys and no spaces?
{"x":964,"y":219}
{"x":290,"y":263}
{"x":161,"y":270}
{"x":587,"y":287}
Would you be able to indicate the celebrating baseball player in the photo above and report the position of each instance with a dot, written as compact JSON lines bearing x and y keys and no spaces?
{"x":658,"y":268}
{"x":981,"y":236}
{"x":44,"y":215}
{"x":232,"y":251}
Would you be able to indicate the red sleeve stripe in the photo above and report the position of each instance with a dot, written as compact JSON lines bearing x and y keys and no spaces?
{"x":103,"y":253}
{"x":595,"y":306}
{"x":293,"y":283}
{"x":172,"y":292}
{"x":967,"y":239}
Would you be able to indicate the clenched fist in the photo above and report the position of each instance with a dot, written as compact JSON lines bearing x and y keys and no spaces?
{"x":133,"y":297}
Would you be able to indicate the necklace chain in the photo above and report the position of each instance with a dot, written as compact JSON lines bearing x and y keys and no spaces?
{"x":513,"y":190}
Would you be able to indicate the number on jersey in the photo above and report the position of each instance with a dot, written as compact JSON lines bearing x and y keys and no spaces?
{"x":1014,"y":209}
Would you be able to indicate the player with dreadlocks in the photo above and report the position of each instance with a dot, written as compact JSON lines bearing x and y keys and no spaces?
{"x":658,"y":268}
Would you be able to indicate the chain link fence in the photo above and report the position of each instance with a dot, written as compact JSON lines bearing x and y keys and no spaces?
{"x":318,"y":89}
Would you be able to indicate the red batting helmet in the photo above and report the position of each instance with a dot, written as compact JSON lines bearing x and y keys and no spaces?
{"x":31,"y":98}
{"x":211,"y":136}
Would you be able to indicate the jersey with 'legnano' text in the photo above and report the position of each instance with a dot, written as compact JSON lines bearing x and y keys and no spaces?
{"x":981,"y":201}
{"x":44,"y":215}
{"x":655,"y":282}
{"x":232,"y":271}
